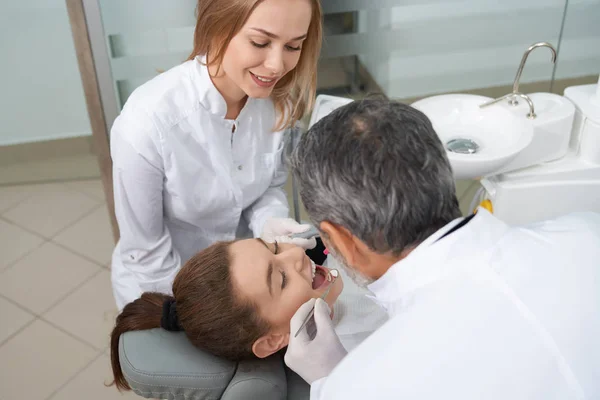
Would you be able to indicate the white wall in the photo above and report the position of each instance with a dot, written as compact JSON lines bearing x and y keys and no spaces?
{"x":41,"y":95}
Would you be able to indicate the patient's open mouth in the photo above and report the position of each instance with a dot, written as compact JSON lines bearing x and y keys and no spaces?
{"x":320,"y":278}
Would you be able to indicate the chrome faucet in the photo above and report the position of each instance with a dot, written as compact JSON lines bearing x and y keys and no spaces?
{"x":512,"y":97}
{"x":513,"y":101}
{"x":531,"y":114}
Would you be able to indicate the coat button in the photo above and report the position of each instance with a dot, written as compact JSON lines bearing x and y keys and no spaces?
{"x":239,"y":167}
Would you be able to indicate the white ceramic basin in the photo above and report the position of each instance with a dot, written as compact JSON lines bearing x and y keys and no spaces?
{"x":499,"y":134}
{"x":551,"y":130}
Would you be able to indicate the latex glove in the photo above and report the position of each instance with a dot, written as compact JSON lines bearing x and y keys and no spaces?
{"x":314,"y":359}
{"x":280,"y":229}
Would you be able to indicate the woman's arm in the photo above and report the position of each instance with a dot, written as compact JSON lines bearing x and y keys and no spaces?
{"x":145,"y":242}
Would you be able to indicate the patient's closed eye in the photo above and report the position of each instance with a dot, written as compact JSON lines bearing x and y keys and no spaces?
{"x":283,"y":279}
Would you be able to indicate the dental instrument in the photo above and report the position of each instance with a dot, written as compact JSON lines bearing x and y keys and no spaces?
{"x":331,"y":277}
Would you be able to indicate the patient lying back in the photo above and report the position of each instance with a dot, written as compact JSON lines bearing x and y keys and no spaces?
{"x":233,"y":299}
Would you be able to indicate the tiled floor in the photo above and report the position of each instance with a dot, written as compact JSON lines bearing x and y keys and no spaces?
{"x":56,"y":304}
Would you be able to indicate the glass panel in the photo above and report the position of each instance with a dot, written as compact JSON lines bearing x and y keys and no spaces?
{"x":406,"y":49}
{"x":579,"y":56}
{"x":145,"y":38}
{"x":413,"y":49}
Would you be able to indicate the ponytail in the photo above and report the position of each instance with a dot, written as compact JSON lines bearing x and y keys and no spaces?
{"x":209,"y":309}
{"x":141,"y":314}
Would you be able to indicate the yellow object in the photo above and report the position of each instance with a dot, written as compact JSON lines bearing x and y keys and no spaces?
{"x":487,"y":204}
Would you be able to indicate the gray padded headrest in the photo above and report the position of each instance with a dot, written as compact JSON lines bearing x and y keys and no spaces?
{"x":297,"y":388}
{"x":257,"y":380}
{"x":164,"y":365}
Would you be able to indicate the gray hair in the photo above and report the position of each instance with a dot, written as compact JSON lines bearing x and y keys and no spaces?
{"x":377,"y":168}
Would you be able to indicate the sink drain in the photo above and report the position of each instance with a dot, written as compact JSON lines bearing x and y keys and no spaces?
{"x":462,"y":146}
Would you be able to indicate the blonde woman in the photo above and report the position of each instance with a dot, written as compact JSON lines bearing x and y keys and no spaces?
{"x":197,"y":151}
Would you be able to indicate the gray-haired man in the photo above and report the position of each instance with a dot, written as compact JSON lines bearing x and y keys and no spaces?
{"x":478,"y":309}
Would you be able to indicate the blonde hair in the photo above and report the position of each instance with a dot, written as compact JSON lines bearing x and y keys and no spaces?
{"x":218,"y":21}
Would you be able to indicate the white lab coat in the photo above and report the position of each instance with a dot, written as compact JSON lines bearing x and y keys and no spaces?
{"x":488,"y":312}
{"x":355,"y":315}
{"x":183,"y":180}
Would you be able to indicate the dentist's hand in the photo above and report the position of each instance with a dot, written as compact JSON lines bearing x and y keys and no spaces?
{"x":280,"y":230}
{"x":313,"y":359}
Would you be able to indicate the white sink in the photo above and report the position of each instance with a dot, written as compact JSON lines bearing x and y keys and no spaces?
{"x":551,"y":130}
{"x":498,"y":133}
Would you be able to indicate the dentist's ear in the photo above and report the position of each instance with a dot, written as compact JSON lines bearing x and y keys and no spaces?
{"x":270,"y":344}
{"x":341,"y":241}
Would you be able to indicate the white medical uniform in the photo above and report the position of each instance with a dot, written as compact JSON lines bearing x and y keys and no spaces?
{"x":488,"y":312}
{"x":183,"y":180}
{"x":355,"y":314}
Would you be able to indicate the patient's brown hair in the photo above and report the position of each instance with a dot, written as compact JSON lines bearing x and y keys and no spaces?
{"x":212,"y":315}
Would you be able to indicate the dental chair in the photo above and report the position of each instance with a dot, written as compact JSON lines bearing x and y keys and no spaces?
{"x":164,"y":365}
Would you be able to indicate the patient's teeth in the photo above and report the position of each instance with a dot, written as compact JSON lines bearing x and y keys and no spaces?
{"x":314,"y":268}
